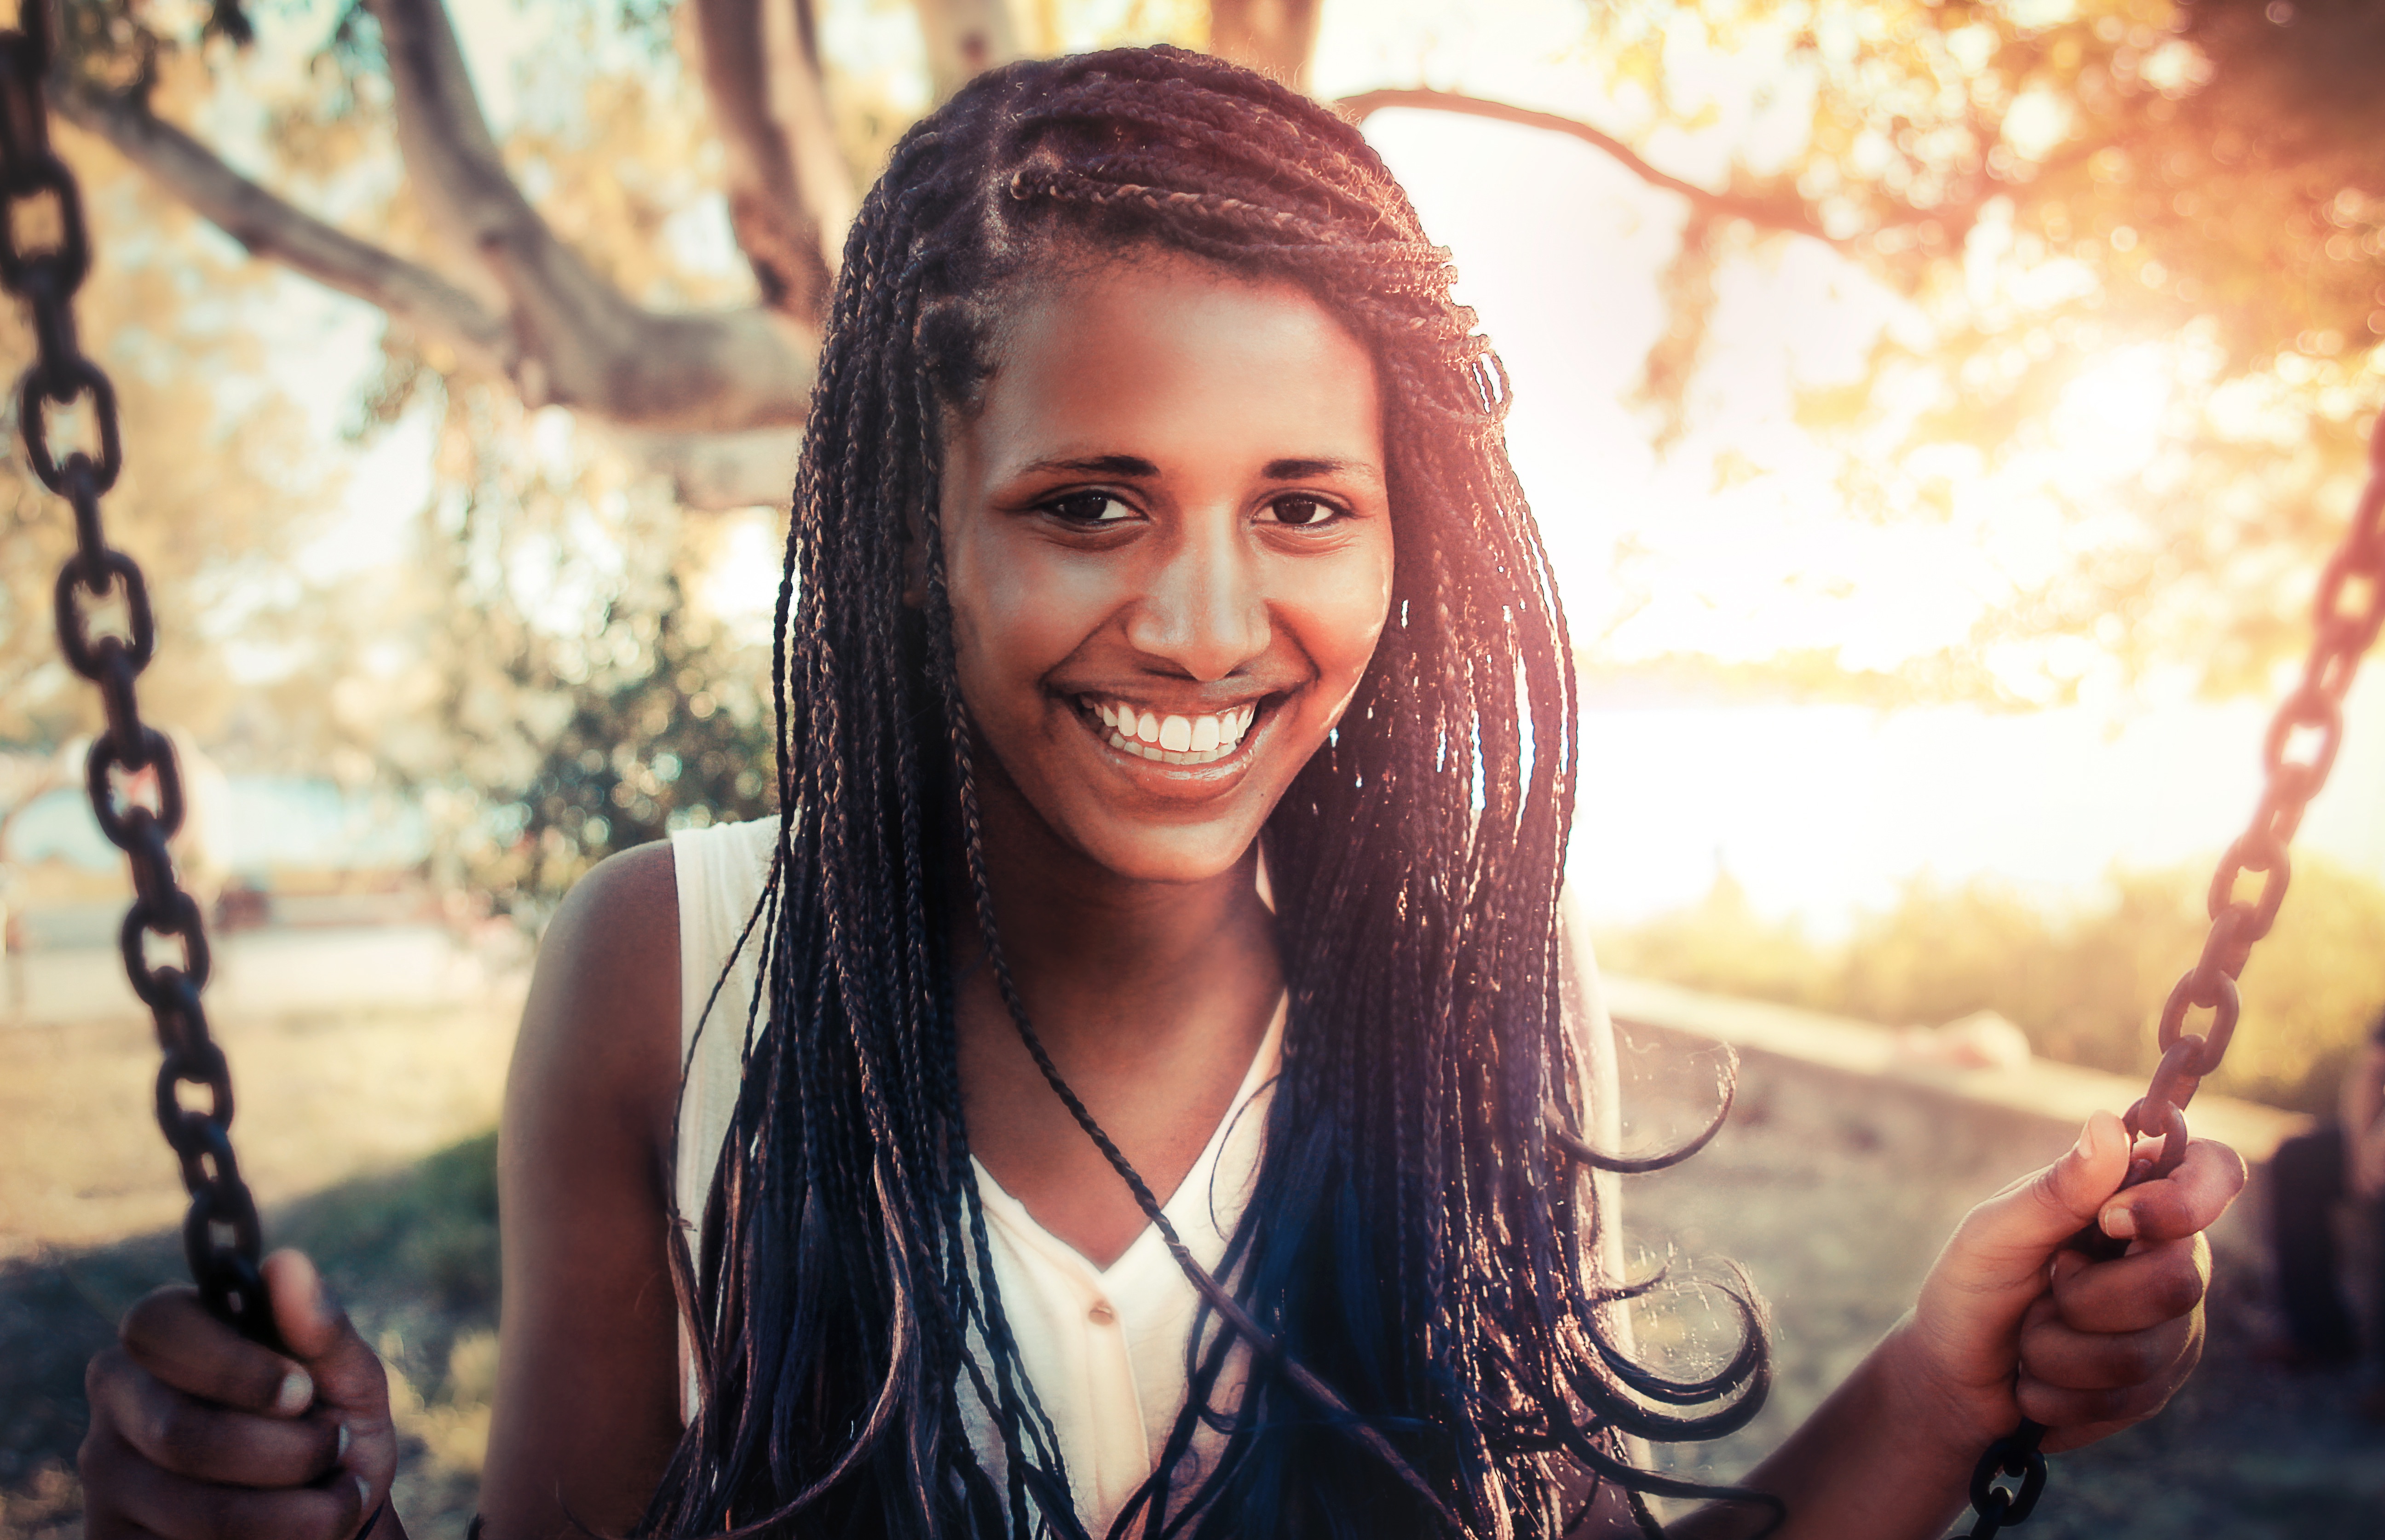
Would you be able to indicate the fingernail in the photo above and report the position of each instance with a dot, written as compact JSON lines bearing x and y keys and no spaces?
{"x":341,"y":1451}
{"x":2119,"y":1221}
{"x":364,"y":1494}
{"x":296,"y":1395}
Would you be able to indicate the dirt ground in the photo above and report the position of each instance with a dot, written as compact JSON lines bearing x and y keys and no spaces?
{"x":363,"y":1133}
{"x":1837,"y":1224}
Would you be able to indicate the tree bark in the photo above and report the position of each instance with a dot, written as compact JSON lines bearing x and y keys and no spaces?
{"x":416,"y":298}
{"x":714,"y":472}
{"x":1274,"y":37}
{"x":790,"y":193}
{"x":966,"y":38}
{"x":580,"y":343}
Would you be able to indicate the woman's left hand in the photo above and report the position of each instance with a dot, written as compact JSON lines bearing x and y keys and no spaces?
{"x":2011,"y":1324}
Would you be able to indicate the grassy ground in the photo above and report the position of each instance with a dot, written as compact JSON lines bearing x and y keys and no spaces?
{"x":413,"y":1254}
{"x":364,"y":1135}
{"x":1835,"y":1230}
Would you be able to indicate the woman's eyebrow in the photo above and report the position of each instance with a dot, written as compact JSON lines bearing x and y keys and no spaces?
{"x":1093,"y":464}
{"x":1294,"y":468}
{"x":1301,"y":469}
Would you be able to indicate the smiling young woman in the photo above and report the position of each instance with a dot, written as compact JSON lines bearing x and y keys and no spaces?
{"x":1169,"y":555}
{"x":1117,"y":1094}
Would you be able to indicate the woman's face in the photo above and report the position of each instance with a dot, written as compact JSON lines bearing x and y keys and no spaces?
{"x":1168,"y":551}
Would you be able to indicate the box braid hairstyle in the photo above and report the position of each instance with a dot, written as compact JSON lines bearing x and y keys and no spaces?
{"x":1431,"y":1344}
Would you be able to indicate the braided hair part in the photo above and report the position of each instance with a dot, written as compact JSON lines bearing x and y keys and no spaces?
{"x":1414,"y":1293}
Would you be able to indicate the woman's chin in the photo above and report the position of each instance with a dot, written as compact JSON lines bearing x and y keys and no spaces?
{"x":1169,"y":857}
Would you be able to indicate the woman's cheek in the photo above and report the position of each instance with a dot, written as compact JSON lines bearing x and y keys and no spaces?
{"x":1022,"y":615}
{"x":1350,"y":625}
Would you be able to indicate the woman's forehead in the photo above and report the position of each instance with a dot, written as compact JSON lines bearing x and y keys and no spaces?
{"x":1176,"y":349}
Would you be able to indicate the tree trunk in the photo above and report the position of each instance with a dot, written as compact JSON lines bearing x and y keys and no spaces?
{"x":582,"y":343}
{"x":789,"y":193}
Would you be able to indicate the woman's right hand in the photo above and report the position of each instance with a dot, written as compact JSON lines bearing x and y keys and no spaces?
{"x":198,"y":1432}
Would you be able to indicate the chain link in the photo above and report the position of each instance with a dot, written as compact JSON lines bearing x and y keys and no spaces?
{"x":2343,"y":635}
{"x":220,"y":1234}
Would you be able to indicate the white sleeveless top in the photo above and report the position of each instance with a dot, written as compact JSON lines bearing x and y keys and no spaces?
{"x":1104,"y":1347}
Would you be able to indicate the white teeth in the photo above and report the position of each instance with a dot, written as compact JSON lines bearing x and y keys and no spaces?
{"x":1172,"y":739}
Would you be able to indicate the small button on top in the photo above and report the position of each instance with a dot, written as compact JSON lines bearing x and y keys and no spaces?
{"x":1101,"y":1314}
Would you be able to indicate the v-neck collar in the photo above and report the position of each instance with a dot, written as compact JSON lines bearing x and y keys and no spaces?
{"x":1029,"y":1232}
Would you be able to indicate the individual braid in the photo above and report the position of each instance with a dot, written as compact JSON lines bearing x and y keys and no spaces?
{"x":1414,"y":1292}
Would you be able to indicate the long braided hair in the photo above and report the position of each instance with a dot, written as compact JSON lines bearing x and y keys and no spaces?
{"x":1429,"y":1342}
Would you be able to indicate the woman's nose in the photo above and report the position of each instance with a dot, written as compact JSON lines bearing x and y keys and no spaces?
{"x":1203,"y":611}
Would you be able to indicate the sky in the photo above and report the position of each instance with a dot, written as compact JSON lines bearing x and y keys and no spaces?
{"x":1817,"y":810}
{"x":1814,"y":809}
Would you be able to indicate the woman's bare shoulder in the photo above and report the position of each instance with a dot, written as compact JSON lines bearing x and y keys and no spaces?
{"x":603,"y":1007}
{"x":587,"y":1394}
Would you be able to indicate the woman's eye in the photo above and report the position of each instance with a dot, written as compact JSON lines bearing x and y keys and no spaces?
{"x":1090,"y":508}
{"x":1304,"y":512}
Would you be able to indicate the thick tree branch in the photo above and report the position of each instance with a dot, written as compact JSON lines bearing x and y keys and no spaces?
{"x":1274,"y":37}
{"x":966,"y":38}
{"x":1783,"y":213}
{"x":719,"y":471}
{"x":790,"y":193}
{"x":580,"y":342}
{"x":414,"y":296}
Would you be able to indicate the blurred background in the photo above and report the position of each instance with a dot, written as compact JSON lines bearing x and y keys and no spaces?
{"x":1938,"y":412}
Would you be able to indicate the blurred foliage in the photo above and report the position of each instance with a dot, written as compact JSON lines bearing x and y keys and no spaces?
{"x":2047,"y":182}
{"x":2184,"y":154}
{"x":2036,"y":183}
{"x":542,"y":674}
{"x":216,"y":493}
{"x":2085,"y":985}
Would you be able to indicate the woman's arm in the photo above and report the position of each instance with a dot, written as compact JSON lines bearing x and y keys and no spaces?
{"x":2009,"y":1324}
{"x":197,"y":1432}
{"x":587,"y":1400}
{"x":2361,"y":1108}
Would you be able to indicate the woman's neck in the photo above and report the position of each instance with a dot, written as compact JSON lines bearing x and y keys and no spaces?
{"x":1086,"y":945}
{"x":1151,"y":999}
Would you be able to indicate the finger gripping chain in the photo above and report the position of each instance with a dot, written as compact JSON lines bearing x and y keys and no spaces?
{"x":220,"y":1234}
{"x":2341,"y":635}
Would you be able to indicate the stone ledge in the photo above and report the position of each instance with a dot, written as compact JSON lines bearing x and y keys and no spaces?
{"x":2042,"y":1089}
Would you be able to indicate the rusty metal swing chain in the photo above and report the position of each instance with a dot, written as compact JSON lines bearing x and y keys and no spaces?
{"x":2011,"y":1475}
{"x":220,"y":1234}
